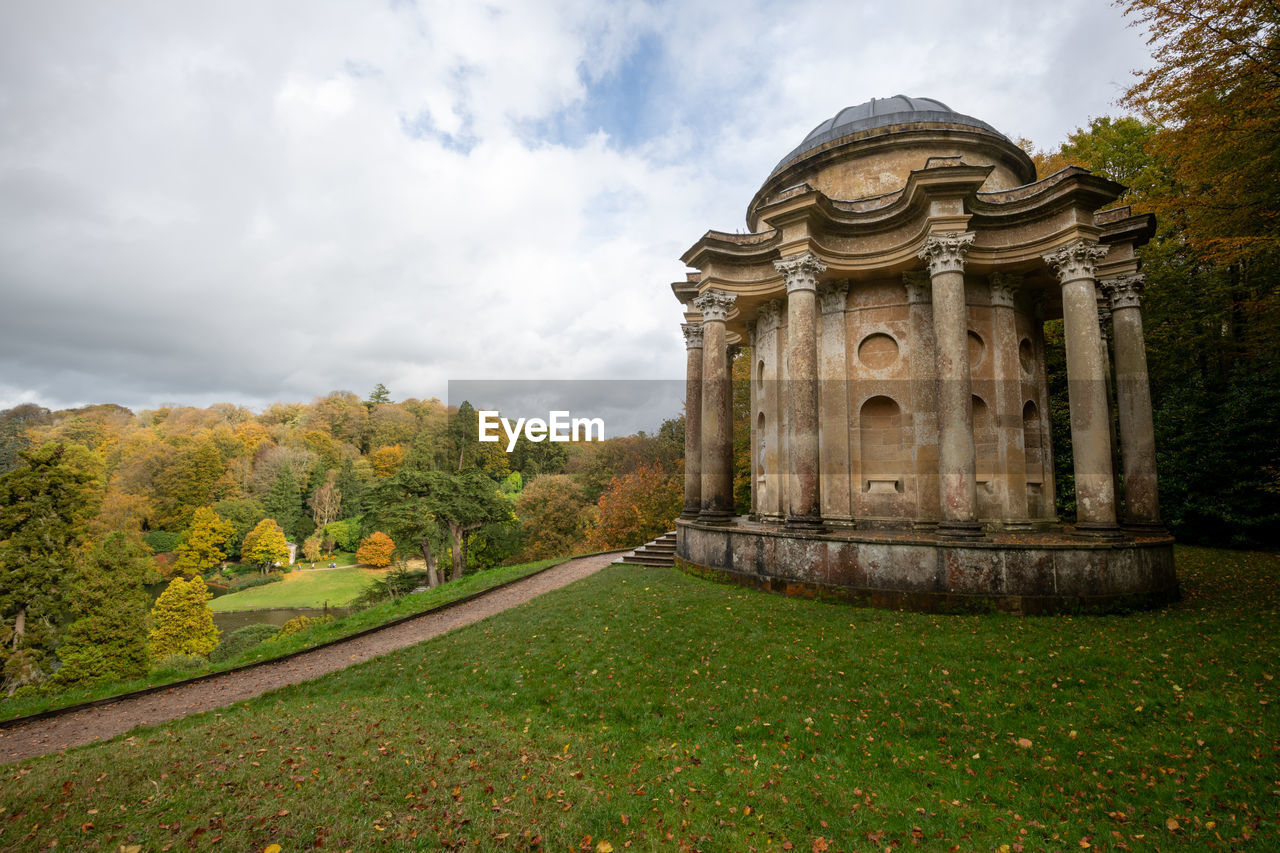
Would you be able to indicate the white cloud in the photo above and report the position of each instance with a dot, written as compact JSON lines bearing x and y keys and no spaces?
{"x":269,"y":201}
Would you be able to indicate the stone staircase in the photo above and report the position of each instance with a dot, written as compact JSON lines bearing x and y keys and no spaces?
{"x":659,"y":552}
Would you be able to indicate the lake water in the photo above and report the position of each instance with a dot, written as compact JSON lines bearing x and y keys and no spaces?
{"x":233,"y":619}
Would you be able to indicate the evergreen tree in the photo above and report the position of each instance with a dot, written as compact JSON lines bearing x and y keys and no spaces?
{"x":182,"y":623}
{"x":284,"y":501}
{"x":108,"y":639}
{"x":42,"y":508}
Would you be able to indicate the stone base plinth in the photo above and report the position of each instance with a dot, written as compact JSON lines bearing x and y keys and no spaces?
{"x":1046,"y":571}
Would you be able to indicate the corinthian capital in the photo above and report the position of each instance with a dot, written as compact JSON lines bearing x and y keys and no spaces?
{"x":801,"y":271}
{"x":1075,"y":260}
{"x":715,"y":305}
{"x":918,"y":286}
{"x":769,"y":316}
{"x":1125,"y":291}
{"x":833,"y":295}
{"x":945,"y":252}
{"x":692,"y":335}
{"x":1004,"y":289}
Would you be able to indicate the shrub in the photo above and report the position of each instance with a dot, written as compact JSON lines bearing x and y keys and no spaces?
{"x":345,"y":534}
{"x":241,"y":640}
{"x":250,"y":581}
{"x":178,"y":664}
{"x":161,"y":541}
{"x":298,"y":624}
{"x":399,"y":581}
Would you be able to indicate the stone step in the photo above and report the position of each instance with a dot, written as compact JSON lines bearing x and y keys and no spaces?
{"x":659,"y":552}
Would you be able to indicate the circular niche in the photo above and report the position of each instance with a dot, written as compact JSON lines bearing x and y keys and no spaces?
{"x":1026,"y":356}
{"x":878,"y":351}
{"x":977,"y":349}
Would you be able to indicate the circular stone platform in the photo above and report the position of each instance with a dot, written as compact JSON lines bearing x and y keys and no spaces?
{"x":1048,"y":571}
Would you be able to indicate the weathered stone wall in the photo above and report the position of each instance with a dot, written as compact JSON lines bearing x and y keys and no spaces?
{"x":1021,"y":574}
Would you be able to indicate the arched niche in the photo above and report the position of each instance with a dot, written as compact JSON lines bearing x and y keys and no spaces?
{"x":880,"y":440}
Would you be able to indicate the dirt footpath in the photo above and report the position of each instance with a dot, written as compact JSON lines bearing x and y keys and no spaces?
{"x":93,"y":724}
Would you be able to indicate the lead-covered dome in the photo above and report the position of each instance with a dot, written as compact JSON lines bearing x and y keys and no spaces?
{"x":880,"y":112}
{"x":870,"y":149}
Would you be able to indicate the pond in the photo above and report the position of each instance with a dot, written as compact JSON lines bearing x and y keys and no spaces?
{"x":231,"y":620}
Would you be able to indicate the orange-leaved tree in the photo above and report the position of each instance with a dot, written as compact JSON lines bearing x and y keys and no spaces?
{"x":376,"y":550}
{"x":637,"y":506}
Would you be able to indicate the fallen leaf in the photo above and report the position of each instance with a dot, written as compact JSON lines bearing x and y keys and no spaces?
{"x":604,"y":847}
{"x":272,"y":848}
{"x":1024,"y":742}
{"x":1173,"y":824}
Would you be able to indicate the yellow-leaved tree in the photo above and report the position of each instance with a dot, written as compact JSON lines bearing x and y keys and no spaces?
{"x":265,"y":545}
{"x":181,"y":621}
{"x":201,"y":548}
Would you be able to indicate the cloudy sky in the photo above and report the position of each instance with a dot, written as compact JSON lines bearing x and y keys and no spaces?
{"x":260,"y":201}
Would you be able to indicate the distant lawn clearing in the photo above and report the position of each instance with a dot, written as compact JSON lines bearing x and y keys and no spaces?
{"x":645,"y":706}
{"x":302,"y":589}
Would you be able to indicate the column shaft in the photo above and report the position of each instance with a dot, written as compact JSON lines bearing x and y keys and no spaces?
{"x":1133,"y":393}
{"x":804,"y":505}
{"x":945,"y":255}
{"x":1011,"y":453}
{"x":833,"y":406}
{"x":692,"y":421}
{"x":717,"y":421}
{"x":1086,"y":387}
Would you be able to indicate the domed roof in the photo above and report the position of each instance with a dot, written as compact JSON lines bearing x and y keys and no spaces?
{"x":879,"y":112}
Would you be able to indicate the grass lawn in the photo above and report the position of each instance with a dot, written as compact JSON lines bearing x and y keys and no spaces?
{"x":642,"y":706}
{"x":302,"y":588}
{"x":353,"y":623}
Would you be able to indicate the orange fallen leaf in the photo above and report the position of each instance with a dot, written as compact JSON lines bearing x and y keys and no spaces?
{"x":1173,"y":824}
{"x":1024,"y":742}
{"x":604,"y":847}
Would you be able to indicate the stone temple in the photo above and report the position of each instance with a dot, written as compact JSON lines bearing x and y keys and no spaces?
{"x":893,"y":284}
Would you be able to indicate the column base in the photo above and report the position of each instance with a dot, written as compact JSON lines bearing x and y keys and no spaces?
{"x":1097,"y":530}
{"x":805,"y":523}
{"x":1021,"y":525}
{"x":1145,"y":528}
{"x":689,"y":514}
{"x":960,"y":530}
{"x":840,"y":521}
{"x":715,"y":516}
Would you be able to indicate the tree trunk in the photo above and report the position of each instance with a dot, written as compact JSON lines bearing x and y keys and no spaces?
{"x":456,"y":531}
{"x":433,"y":579}
{"x":19,"y":626}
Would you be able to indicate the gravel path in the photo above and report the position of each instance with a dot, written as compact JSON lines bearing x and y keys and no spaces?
{"x":94,"y":724}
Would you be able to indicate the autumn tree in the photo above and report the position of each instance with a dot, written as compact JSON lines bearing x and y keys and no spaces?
{"x":182,"y":623}
{"x":43,"y":505}
{"x":326,"y":500}
{"x":376,"y":550}
{"x":637,"y":507}
{"x":201,"y":548}
{"x":386,"y":461}
{"x":107,"y":639}
{"x":554,"y":516}
{"x":265,"y":545}
{"x":311,"y":547}
{"x":243,"y":515}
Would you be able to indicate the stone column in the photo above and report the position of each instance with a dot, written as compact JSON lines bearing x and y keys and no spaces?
{"x":833,"y":405}
{"x":692,"y":421}
{"x":1086,"y":387}
{"x":1133,"y":399}
{"x":717,"y":417}
{"x":1104,"y":323}
{"x":922,"y":361}
{"x":1011,"y":453}
{"x":944,"y":254}
{"x":804,"y":507}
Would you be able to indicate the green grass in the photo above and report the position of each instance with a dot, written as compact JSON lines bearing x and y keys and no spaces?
{"x":299,"y":588}
{"x":648,"y":707}
{"x":353,"y":623}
